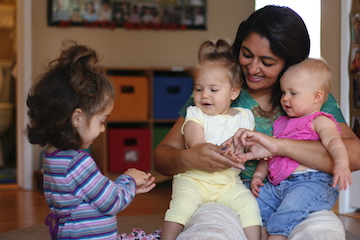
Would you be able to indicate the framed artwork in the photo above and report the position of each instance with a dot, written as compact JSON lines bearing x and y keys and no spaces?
{"x":355,"y":60}
{"x":355,"y":30}
{"x":130,"y":14}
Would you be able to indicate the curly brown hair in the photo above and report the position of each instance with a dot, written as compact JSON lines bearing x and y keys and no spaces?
{"x":74,"y":80}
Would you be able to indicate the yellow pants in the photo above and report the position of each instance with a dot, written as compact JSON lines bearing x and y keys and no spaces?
{"x":193,"y":188}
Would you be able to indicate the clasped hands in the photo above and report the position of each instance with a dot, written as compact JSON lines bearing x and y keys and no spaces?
{"x":210,"y":158}
{"x":247,"y":145}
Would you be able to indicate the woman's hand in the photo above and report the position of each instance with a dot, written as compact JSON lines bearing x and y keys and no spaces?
{"x":171,"y":157}
{"x":261,"y":146}
{"x":144,"y":181}
{"x":209,"y":158}
{"x":228,"y":151}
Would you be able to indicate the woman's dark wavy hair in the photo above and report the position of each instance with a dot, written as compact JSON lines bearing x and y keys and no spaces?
{"x":72,"y":81}
{"x":286,"y":32}
{"x":219,"y":54}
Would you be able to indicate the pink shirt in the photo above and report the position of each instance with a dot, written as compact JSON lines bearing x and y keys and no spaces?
{"x":292,"y":128}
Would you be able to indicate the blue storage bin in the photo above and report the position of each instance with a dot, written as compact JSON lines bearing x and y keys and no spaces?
{"x":170,"y":95}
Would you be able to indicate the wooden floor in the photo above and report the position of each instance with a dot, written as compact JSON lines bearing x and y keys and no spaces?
{"x":20,"y":209}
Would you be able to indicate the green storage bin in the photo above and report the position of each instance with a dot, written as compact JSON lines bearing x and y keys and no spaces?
{"x":159,"y":133}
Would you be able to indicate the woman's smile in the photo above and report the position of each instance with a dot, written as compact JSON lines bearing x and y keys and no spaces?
{"x":261,"y":67}
{"x":254,"y":78}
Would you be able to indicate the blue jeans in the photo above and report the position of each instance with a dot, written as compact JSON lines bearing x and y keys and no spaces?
{"x":247,"y":183}
{"x":285,"y":205}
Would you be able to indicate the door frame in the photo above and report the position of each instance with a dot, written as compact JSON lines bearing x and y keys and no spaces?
{"x":346,"y":196}
{"x":24,"y":150}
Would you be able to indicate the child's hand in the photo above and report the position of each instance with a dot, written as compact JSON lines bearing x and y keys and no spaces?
{"x":228,"y":151}
{"x":144,"y":181}
{"x":342,"y":176}
{"x":258,"y":145}
{"x":146,"y":187}
{"x":256,"y":182}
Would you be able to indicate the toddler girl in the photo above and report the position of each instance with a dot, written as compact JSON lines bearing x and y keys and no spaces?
{"x":216,"y":84}
{"x":68,"y":108}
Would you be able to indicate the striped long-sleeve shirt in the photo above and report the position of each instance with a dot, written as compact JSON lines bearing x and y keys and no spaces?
{"x":85,"y":201}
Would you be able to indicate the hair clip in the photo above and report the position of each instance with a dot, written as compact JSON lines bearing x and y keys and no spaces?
{"x":215,"y":51}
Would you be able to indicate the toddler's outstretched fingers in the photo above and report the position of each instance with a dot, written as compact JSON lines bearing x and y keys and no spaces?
{"x":145,"y":188}
{"x":148,"y":175}
{"x":150,"y":180}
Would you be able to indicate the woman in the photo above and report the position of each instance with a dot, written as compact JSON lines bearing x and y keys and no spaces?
{"x":267,"y":43}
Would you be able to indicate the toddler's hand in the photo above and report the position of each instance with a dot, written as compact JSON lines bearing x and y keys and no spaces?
{"x":256,"y":182}
{"x":342,"y":176}
{"x":228,"y":151}
{"x":144,"y":181}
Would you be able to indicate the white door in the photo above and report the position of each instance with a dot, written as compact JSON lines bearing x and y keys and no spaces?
{"x":349,"y":200}
{"x":355,"y":191}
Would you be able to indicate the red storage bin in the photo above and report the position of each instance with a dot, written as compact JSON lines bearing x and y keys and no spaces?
{"x":129,"y":148}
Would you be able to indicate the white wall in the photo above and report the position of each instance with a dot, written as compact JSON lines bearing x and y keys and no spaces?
{"x":139,"y":48}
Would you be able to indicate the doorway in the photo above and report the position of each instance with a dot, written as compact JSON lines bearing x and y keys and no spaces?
{"x":7,"y":92}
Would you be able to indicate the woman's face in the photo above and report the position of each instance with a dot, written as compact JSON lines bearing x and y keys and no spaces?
{"x":259,"y":64}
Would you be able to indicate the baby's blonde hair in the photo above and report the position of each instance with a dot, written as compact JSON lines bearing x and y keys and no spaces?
{"x":218,"y":55}
{"x":319,"y":71}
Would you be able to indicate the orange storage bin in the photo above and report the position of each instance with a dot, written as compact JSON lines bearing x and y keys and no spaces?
{"x":132,"y":98}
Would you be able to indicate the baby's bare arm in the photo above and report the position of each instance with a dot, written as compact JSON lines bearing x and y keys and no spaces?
{"x":331,"y":139}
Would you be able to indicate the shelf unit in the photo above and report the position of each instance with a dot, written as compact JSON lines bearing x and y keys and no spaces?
{"x":146,"y":106}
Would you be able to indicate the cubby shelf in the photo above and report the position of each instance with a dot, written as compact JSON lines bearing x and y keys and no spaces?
{"x":147,"y":101}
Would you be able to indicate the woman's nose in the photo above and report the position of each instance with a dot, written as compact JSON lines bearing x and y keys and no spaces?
{"x":254,"y":67}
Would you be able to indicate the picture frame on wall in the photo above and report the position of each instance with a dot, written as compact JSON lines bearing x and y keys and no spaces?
{"x":130,"y":14}
{"x":355,"y":30}
{"x":355,"y":60}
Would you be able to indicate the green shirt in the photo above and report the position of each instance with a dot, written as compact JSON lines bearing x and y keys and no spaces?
{"x":264,"y":120}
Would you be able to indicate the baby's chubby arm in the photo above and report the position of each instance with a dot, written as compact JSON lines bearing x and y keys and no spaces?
{"x":193,"y":134}
{"x":331,"y":139}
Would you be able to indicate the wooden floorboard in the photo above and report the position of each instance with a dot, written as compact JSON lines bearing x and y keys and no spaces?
{"x":20,"y":209}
